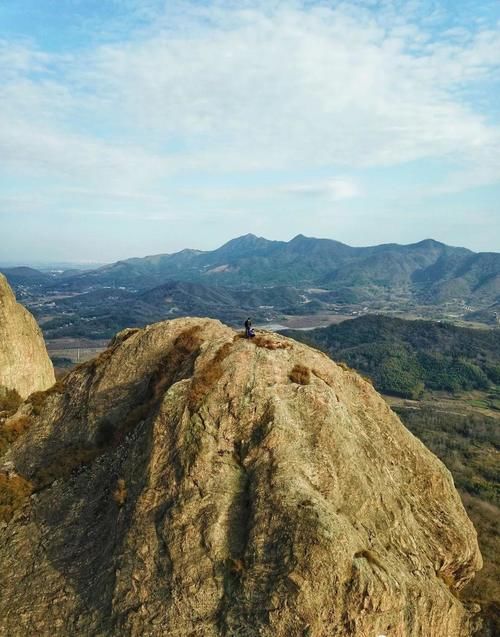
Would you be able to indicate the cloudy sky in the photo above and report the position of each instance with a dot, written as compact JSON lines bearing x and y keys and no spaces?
{"x":133,"y":127}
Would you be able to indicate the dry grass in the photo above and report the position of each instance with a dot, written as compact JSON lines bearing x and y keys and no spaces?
{"x":188,"y":341}
{"x":37,"y":399}
{"x":268,"y":342}
{"x":178,"y":364}
{"x":345,"y":367}
{"x":62,"y":465}
{"x":13,"y":492}
{"x":11,"y":429}
{"x":300,"y":375}
{"x":207,"y":377}
{"x":9,"y":400}
{"x":236,"y":566}
{"x":120,"y":494}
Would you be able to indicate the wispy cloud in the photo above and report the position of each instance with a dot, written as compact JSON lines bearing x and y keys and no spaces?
{"x":226,"y":88}
{"x":335,"y":189}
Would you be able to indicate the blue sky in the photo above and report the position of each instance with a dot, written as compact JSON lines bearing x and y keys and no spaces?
{"x":134,"y":127}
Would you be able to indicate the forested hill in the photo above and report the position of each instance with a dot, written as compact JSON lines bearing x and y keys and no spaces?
{"x":427,"y":272}
{"x":404,"y":358}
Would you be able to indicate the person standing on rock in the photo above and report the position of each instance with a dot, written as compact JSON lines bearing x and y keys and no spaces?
{"x":249,"y":332}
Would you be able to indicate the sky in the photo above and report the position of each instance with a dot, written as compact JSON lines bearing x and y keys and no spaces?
{"x":134,"y":127}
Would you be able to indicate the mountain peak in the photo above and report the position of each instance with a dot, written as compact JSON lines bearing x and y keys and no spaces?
{"x":190,"y":479}
{"x":247,"y":244}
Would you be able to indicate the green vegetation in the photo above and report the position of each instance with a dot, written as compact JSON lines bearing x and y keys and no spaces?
{"x":61,"y":361}
{"x":406,"y":358}
{"x":469,"y":444}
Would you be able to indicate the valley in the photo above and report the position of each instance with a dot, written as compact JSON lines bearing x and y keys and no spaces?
{"x":300,"y":284}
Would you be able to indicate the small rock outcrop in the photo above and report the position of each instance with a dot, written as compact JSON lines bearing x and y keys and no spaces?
{"x":190,"y":482}
{"x":24,"y":363}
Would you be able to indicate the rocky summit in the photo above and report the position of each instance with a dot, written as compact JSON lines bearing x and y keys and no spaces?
{"x":189,"y":482}
{"x":24,"y":363}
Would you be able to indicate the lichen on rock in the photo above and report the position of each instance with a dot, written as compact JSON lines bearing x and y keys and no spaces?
{"x":196,"y":483}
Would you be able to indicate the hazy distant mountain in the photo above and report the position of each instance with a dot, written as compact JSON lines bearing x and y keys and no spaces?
{"x":22,"y":275}
{"x":429,"y":271}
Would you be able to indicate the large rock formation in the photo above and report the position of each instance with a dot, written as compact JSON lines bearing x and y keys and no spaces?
{"x":24,"y":363}
{"x":189,"y":482}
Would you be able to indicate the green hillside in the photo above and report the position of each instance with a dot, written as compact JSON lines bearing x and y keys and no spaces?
{"x":406,"y":358}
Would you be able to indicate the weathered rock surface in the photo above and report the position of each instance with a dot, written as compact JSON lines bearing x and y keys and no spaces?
{"x":189,"y":482}
{"x":24,"y":363}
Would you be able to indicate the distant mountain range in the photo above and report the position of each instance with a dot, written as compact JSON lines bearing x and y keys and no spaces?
{"x":252,"y":274}
{"x":431,"y":271}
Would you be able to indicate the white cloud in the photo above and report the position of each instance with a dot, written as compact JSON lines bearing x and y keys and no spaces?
{"x":251,"y":86}
{"x":335,"y":189}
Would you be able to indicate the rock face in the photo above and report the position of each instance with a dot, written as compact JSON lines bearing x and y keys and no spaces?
{"x":24,"y":363}
{"x":189,"y":482}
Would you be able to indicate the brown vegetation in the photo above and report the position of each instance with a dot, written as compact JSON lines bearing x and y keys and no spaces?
{"x":9,"y":400}
{"x":62,"y":465}
{"x":300,"y":375}
{"x":207,"y":377}
{"x":13,"y":491}
{"x":120,"y":494}
{"x":268,"y":342}
{"x":37,"y":399}
{"x":344,"y":366}
{"x":11,"y":429}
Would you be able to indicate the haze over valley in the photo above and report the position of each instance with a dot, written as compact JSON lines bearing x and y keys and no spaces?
{"x":304,"y":282}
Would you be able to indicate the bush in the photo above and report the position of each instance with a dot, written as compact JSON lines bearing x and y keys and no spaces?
{"x":9,"y":400}
{"x":11,"y":429}
{"x":268,"y":342}
{"x":14,"y":490}
{"x":300,"y":375}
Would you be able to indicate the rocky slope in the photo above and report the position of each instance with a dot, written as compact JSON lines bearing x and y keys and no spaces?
{"x":189,"y":482}
{"x":24,"y":363}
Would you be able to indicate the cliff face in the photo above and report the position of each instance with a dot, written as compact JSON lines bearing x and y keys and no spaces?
{"x":24,"y":363}
{"x":189,"y":482}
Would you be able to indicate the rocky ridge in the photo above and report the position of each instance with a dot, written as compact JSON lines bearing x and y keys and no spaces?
{"x":189,"y":482}
{"x":24,"y":363}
